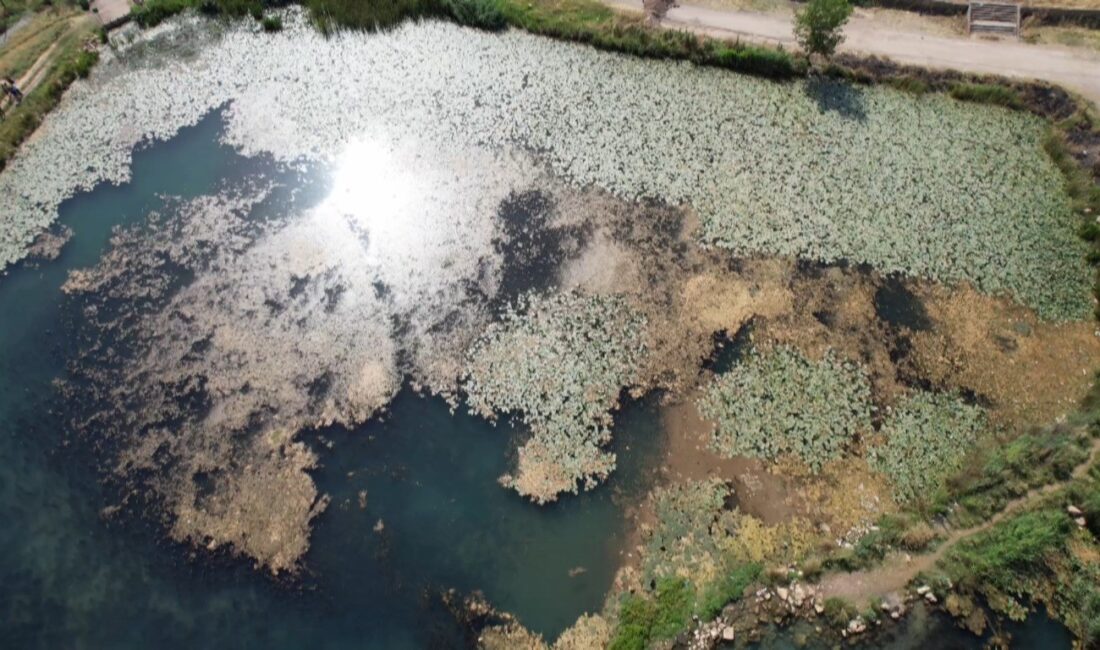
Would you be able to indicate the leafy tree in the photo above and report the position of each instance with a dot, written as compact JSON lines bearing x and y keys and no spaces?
{"x":818,"y":26}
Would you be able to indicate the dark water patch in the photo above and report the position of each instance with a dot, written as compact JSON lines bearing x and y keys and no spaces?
{"x":729,"y":350}
{"x":532,"y":250}
{"x":897,"y":305}
{"x":844,"y":99}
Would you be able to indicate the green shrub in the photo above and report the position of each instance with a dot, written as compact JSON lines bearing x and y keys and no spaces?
{"x":634,"y":628}
{"x":994,"y":94}
{"x":818,"y":26}
{"x":839,"y":611}
{"x":84,"y":62}
{"x":483,"y":14}
{"x":760,"y":61}
{"x":272,"y":23}
{"x":372,"y":15}
{"x":1004,"y":557}
{"x":727,"y":589}
{"x":1001,"y":471}
{"x":154,"y":12}
{"x":910,"y":85}
{"x":675,"y":603}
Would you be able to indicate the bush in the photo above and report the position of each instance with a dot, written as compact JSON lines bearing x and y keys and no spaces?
{"x":818,"y":26}
{"x":839,"y":611}
{"x":1004,"y":557}
{"x":675,"y":602}
{"x":760,"y":61}
{"x":483,"y":14}
{"x":1002,"y":471}
{"x":84,"y":62}
{"x":372,"y":15}
{"x":727,"y":589}
{"x":154,"y":12}
{"x":272,"y":23}
{"x":986,"y":94}
{"x":633,"y":631}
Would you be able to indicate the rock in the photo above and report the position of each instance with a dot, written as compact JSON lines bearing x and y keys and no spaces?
{"x":885,"y":606}
{"x":856,"y":626}
{"x":727,"y":633}
{"x":923,"y":589}
{"x":819,"y":608}
{"x":1080,"y":521}
{"x":931,"y":598}
{"x":895,"y":614}
{"x":1074,"y":511}
{"x":798,"y":594}
{"x":783,"y":593}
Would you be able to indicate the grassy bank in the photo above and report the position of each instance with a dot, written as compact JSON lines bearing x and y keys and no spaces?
{"x":66,"y":31}
{"x":582,"y":21}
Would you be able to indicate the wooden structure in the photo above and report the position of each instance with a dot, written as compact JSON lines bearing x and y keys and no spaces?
{"x":993,"y":18}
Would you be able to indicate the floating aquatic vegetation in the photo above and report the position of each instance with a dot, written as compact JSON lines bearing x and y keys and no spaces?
{"x":560,"y":362}
{"x":777,"y":403}
{"x":926,"y":437}
{"x":929,"y":187}
{"x":212,"y":341}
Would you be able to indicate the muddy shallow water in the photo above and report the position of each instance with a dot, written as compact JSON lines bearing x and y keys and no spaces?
{"x":299,"y":374}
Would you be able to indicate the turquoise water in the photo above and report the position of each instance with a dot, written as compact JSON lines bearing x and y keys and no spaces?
{"x":72,"y":578}
{"x":75,"y":579}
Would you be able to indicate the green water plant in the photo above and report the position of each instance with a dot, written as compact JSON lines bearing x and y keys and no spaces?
{"x":926,"y":438}
{"x":779,"y":403}
{"x":559,"y":362}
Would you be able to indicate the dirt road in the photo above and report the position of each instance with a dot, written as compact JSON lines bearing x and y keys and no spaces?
{"x":1074,"y":68}
{"x":899,"y":569}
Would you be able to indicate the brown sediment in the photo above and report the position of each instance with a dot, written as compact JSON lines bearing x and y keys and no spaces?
{"x":1030,"y":371}
{"x":262,"y":506}
{"x":757,"y":492}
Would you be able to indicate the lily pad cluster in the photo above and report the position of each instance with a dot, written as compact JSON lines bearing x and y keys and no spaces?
{"x":559,"y":362}
{"x":779,"y":403}
{"x":926,"y":437}
{"x":928,"y":187}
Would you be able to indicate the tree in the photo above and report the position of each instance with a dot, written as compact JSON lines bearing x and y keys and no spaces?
{"x":818,"y":26}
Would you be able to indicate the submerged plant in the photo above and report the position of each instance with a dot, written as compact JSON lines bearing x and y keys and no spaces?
{"x":926,"y":437}
{"x":559,"y":361}
{"x":778,"y":403}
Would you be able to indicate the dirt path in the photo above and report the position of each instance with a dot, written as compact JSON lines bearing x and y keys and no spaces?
{"x":1075,"y":68}
{"x":899,"y":569}
{"x":35,"y":74}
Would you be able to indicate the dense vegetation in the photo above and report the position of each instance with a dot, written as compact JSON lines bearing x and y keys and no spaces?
{"x":926,"y":438}
{"x":779,"y":403}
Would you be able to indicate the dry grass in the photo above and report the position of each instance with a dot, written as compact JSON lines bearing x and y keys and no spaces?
{"x":1068,"y":36}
